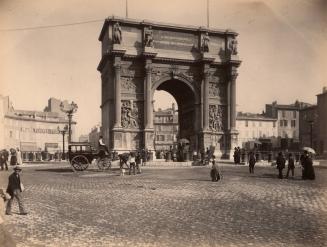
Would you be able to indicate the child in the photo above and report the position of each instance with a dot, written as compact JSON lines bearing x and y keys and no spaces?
{"x":214,"y":173}
{"x":132,"y":164}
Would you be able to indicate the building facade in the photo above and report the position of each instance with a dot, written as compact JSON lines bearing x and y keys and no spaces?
{"x":32,"y":131}
{"x":288,"y":122}
{"x":322,"y":123}
{"x":308,"y":127}
{"x":165,"y":128}
{"x":256,"y":130}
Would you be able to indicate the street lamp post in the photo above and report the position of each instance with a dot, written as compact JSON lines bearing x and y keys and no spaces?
{"x":63,"y":132}
{"x":70,"y":110}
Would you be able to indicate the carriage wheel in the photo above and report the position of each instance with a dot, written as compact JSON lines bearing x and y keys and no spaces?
{"x":104,"y":164}
{"x":80,"y":163}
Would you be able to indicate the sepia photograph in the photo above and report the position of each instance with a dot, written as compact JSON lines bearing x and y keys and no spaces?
{"x":163,"y":123}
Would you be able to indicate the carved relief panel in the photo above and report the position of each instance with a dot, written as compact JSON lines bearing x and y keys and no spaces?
{"x":131,"y":79}
{"x":131,"y":114}
{"x":218,"y":86}
{"x":217,"y":115}
{"x":131,"y":85}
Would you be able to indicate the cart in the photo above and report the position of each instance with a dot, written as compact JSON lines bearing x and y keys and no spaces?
{"x":82,"y":154}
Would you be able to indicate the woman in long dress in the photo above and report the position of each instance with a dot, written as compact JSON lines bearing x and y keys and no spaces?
{"x":19,"y":157}
{"x":308,"y":170}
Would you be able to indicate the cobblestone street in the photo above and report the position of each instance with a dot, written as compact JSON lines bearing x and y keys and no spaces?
{"x":169,"y":207}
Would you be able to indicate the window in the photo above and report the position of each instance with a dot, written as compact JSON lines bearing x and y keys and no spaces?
{"x":10,"y":134}
{"x":281,"y":123}
{"x":169,"y":137}
{"x":285,"y":123}
{"x":274,"y":124}
{"x":160,"y":137}
{"x":246,"y":123}
{"x":294,"y":114}
{"x":293,"y":123}
{"x":283,"y":113}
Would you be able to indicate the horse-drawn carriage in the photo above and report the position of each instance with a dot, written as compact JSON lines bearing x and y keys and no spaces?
{"x":81,"y":155}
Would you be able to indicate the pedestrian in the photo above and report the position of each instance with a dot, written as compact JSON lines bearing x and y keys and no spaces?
{"x":2,"y":160}
{"x":138,"y":162}
{"x":238,"y":155}
{"x":301,"y":161}
{"x":132,"y":163}
{"x":252,"y":161}
{"x":290,"y":166}
{"x":5,"y":238}
{"x":308,"y":170}
{"x":5,"y":156}
{"x":13,"y":157}
{"x":15,"y":189}
{"x":280,"y":162}
{"x":19,"y":157}
{"x":234,"y":155}
{"x":214,"y":173}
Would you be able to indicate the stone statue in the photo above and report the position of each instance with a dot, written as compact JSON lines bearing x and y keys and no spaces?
{"x":215,"y":118}
{"x":132,"y":119}
{"x":128,"y":117}
{"x":205,"y":42}
{"x":233,"y":46}
{"x":117,"y":35}
{"x":148,"y":37}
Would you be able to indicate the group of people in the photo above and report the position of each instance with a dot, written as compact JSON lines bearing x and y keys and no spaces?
{"x":133,"y":162}
{"x":237,"y":155}
{"x":305,"y":161}
{"x":13,"y":156}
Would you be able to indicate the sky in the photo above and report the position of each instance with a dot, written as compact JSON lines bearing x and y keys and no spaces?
{"x":282,"y":45}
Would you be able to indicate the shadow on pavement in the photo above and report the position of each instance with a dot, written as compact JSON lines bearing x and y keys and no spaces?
{"x":59,"y":170}
{"x":70,"y":170}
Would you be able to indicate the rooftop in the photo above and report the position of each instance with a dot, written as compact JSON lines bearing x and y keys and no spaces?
{"x":253,"y":116}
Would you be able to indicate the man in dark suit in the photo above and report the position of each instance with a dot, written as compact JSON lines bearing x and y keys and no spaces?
{"x":14,"y":189}
{"x":4,"y":159}
{"x":280,"y":162}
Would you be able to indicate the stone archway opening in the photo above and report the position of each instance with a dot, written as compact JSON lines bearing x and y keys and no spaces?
{"x":185,"y":110}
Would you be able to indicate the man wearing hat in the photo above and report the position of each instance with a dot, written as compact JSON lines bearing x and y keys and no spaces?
{"x":14,"y":189}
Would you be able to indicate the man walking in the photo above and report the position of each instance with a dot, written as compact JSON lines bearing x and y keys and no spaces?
{"x":280,"y":162}
{"x":14,"y":189}
{"x":4,"y":156}
{"x":252,"y":162}
{"x":291,"y":165}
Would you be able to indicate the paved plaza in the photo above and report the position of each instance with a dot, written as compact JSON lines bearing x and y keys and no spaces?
{"x":176,"y":206}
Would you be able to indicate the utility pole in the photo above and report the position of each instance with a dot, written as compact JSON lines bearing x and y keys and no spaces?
{"x":126,"y":8}
{"x":207,"y":13}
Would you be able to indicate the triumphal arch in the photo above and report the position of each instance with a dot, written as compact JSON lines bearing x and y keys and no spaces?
{"x":196,"y":65}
